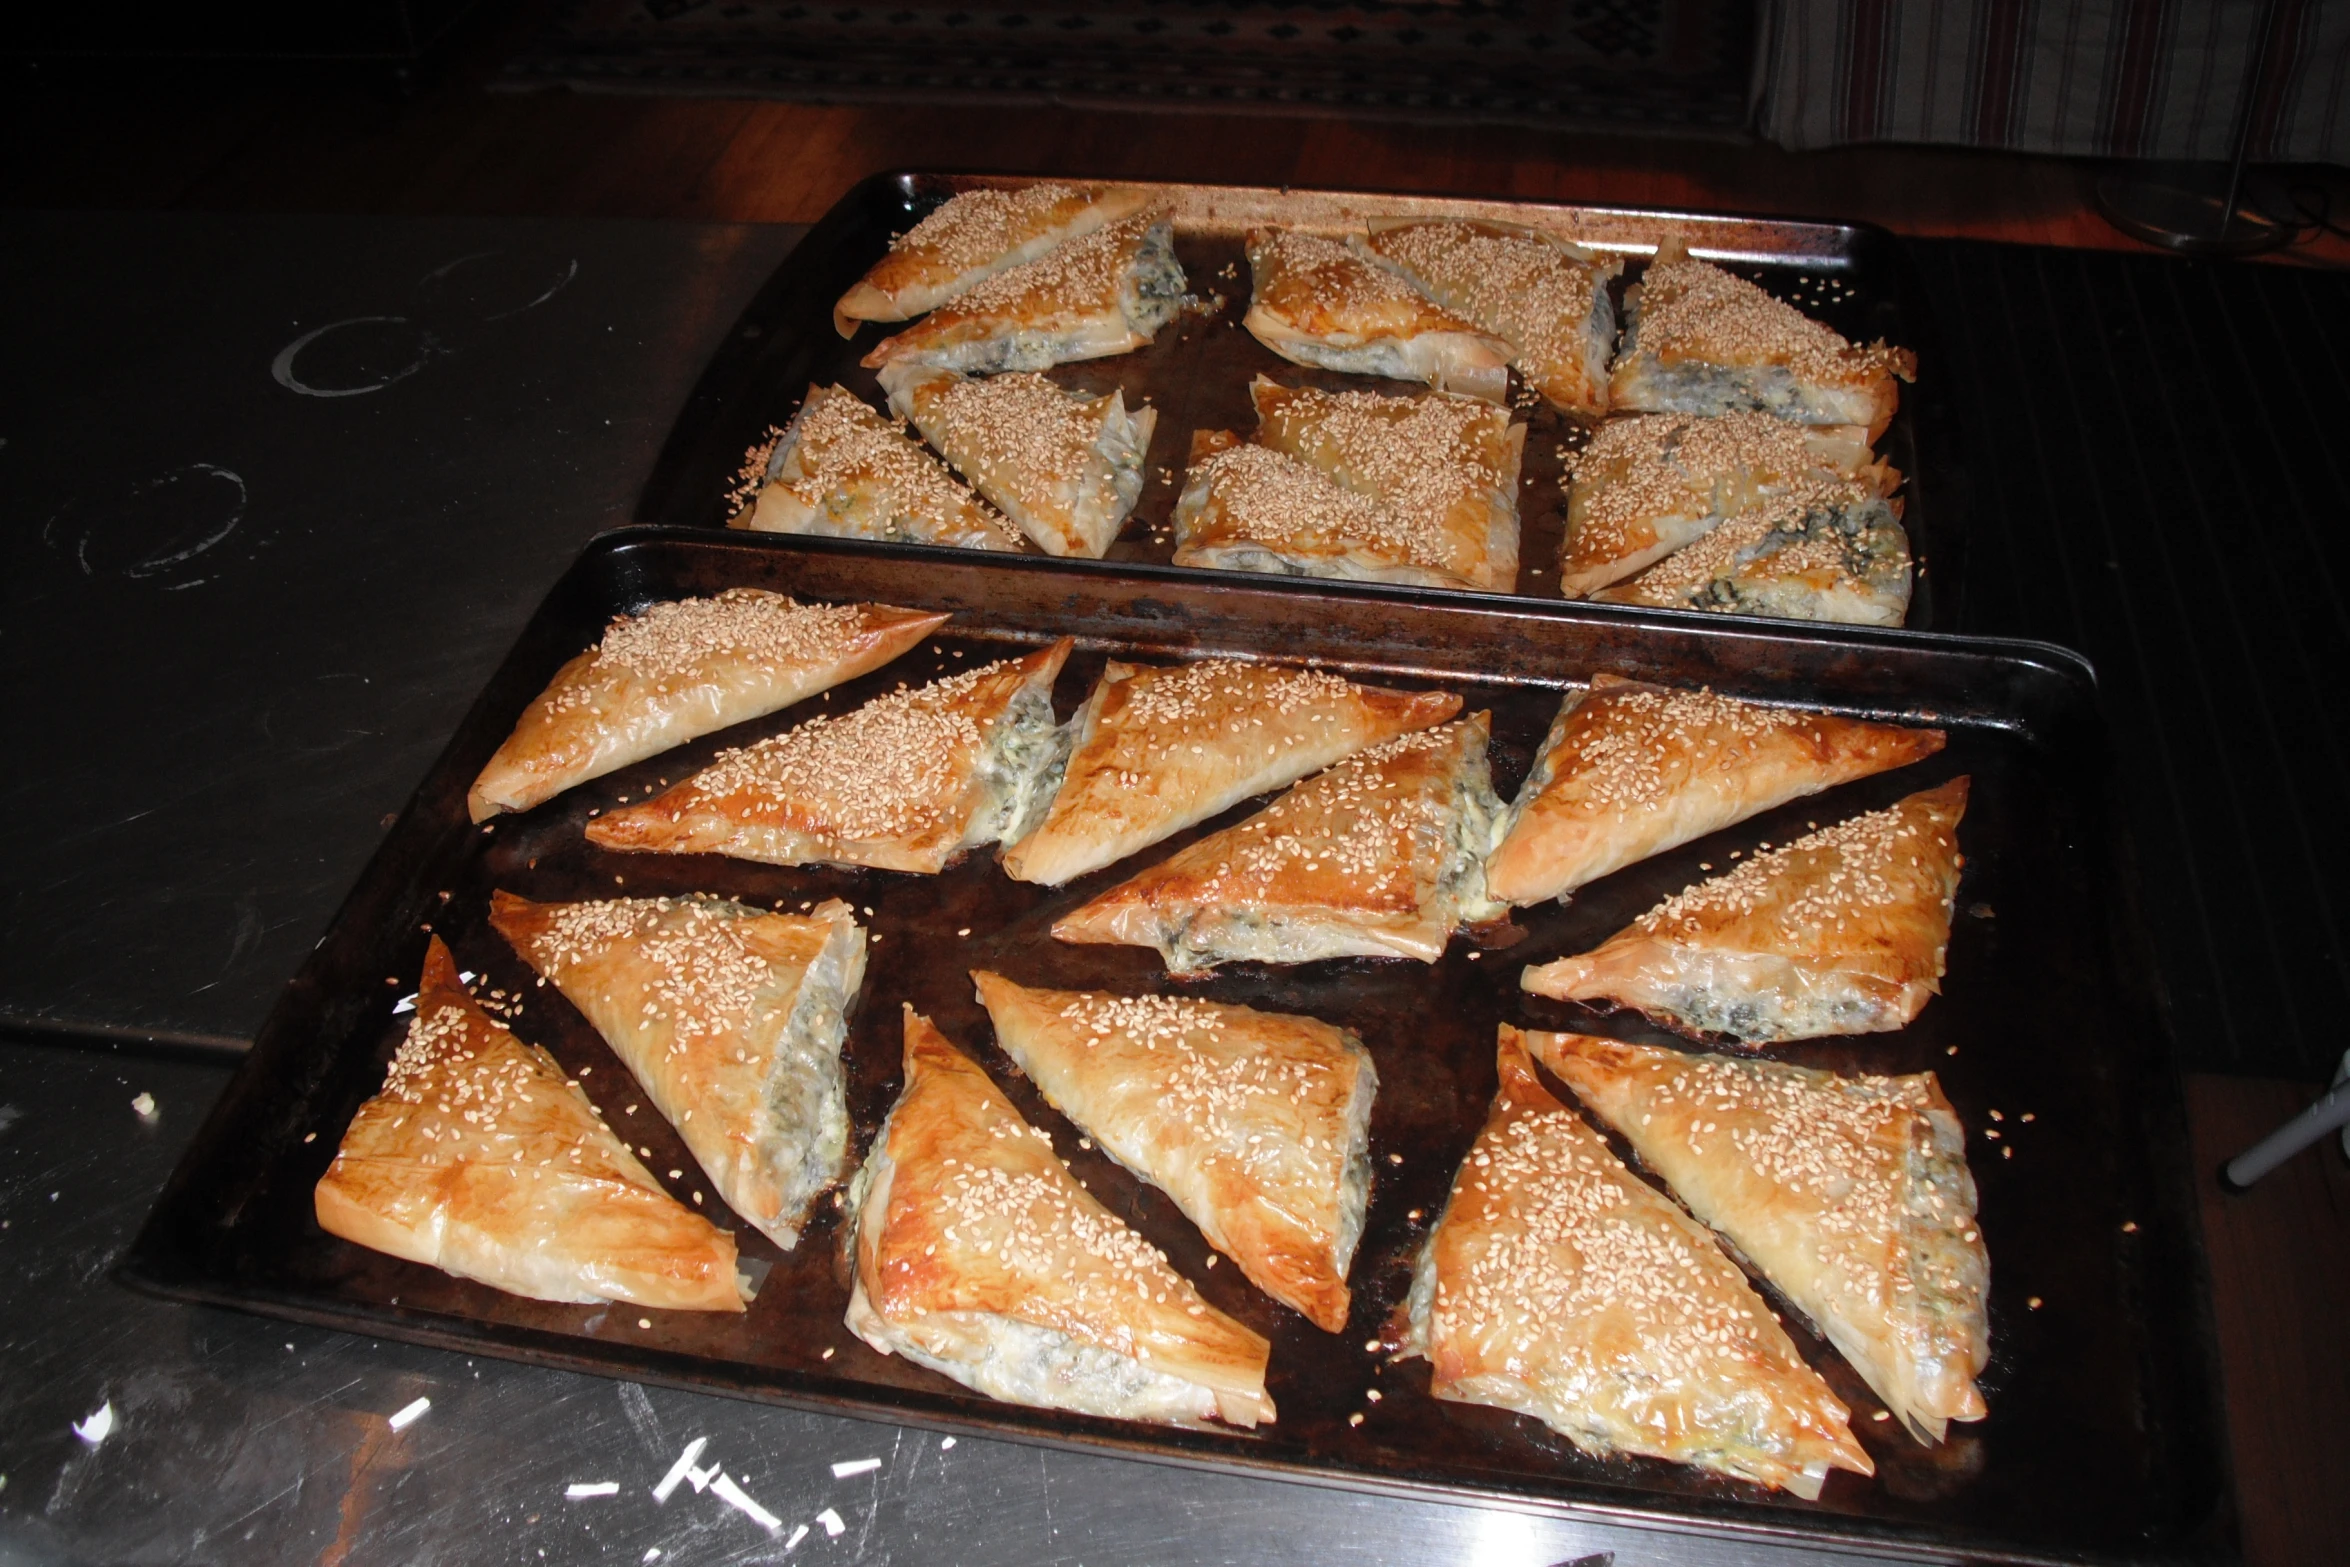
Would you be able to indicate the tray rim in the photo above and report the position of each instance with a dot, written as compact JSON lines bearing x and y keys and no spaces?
{"x":2157,"y":1093}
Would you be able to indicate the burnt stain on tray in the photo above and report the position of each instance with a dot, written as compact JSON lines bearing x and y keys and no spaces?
{"x":2102,"y":1439}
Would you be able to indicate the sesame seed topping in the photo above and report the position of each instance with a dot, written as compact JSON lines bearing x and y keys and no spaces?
{"x":676,"y":643}
{"x":1262,"y":496}
{"x":851,"y":458}
{"x":1532,"y":292}
{"x":1693,"y":310}
{"x":975,"y":227}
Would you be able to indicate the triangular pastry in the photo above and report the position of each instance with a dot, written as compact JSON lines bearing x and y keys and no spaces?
{"x":679,"y":671}
{"x":1850,"y":1194}
{"x":1107,"y":293}
{"x":1450,"y":463}
{"x":1829,"y":549}
{"x":1256,"y":1124}
{"x":1842,"y":931}
{"x":1559,"y":1285}
{"x":1250,"y":508}
{"x":905,"y":782}
{"x":1631,"y":769}
{"x":1065,"y":467}
{"x":1379,"y":856}
{"x":977,"y":1254}
{"x":730,"y":1017}
{"x":1160,"y":749}
{"x":842,"y":471}
{"x":1648,"y":485}
{"x":1543,"y":297}
{"x":971,"y":236}
{"x":479,"y":1158}
{"x":1701,"y":340}
{"x":1316,"y":302}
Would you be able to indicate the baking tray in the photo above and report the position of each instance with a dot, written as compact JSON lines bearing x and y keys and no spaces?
{"x":2103,"y":1440}
{"x":1856,"y":278}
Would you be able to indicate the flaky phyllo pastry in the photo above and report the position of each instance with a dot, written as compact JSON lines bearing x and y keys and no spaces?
{"x":1446,"y":465}
{"x":479,"y":1158}
{"x":1546,"y":299}
{"x":1159,"y":749}
{"x":973,"y":236}
{"x":1842,"y":931}
{"x":1559,"y":1285}
{"x":1250,"y":508}
{"x":1631,"y":769}
{"x":1701,"y":340}
{"x":906,"y":782}
{"x":1256,"y":1124}
{"x":1380,"y":856}
{"x":1065,"y":467}
{"x":1315,"y":301}
{"x":1850,"y":1194}
{"x":679,"y":671}
{"x":1827,"y":549}
{"x":977,"y":1254}
{"x":731,"y":1018}
{"x":1107,"y":293}
{"x":1647,"y":485}
{"x":843,"y":471}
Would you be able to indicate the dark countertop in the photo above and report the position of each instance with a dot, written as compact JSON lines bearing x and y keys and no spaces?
{"x":241,"y":617}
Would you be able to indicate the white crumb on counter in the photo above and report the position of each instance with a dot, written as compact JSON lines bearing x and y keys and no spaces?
{"x":408,"y":1414}
{"x":144,"y":1106}
{"x":98,"y":1427}
{"x":855,"y":1466}
{"x":733,"y":1496}
{"x":832,"y":1522}
{"x":580,"y":1490}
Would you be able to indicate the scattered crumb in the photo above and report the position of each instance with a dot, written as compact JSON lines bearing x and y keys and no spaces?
{"x":1880,"y":1415}
{"x":310,"y":1137}
{"x":945,"y":1442}
{"x":1395,"y":1158}
{"x":1374,"y":1395}
{"x":1355,"y":1419}
{"x":1213,"y":1259}
{"x":854,"y":1466}
{"x":100,"y":1425}
{"x":408,"y":1414}
{"x":644,"y":1322}
{"x":582,"y":1489}
{"x":827,"y":1355}
{"x":2130,"y":1228}
{"x":832,"y":1523}
{"x":2033,"y":1302}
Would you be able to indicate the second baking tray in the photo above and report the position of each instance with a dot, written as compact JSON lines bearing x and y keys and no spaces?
{"x":2102,"y":1440}
{"x":1197,"y":373}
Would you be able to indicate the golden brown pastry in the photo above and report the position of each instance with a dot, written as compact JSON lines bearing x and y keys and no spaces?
{"x":1559,"y":1285}
{"x":1378,"y":857}
{"x":1850,"y":1194}
{"x":1160,"y":749}
{"x":1543,"y":297}
{"x":1701,"y":340}
{"x":1631,"y":769}
{"x":731,"y":1018}
{"x":479,"y":1158}
{"x":906,"y":782}
{"x":1107,"y":293}
{"x":971,"y":236}
{"x":1316,"y":302}
{"x":977,"y":1254}
{"x":1828,"y":549}
{"x":842,"y":471}
{"x":1840,"y":932}
{"x":1449,"y":463}
{"x":1649,"y":484}
{"x":1250,"y":508}
{"x":679,"y":671}
{"x":1256,"y":1124}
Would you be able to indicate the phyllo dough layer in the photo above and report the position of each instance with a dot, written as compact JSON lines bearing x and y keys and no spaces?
{"x":1065,"y":467}
{"x":972,"y":236}
{"x":731,"y":1018}
{"x":1559,"y":1285}
{"x":1543,"y":297}
{"x":1827,"y":549}
{"x":478,"y":1157}
{"x":842,"y":471}
{"x":1631,"y":769}
{"x":1850,"y":1194}
{"x":1380,"y":856}
{"x":1315,"y":302}
{"x":1256,"y":1124}
{"x":977,"y":1254}
{"x":679,"y":671}
{"x":905,"y":782}
{"x":1107,"y":293}
{"x":1250,"y":508}
{"x":1160,"y":749}
{"x":1842,"y":931}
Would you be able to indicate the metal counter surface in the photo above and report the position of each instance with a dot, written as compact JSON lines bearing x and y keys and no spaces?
{"x":276,"y":494}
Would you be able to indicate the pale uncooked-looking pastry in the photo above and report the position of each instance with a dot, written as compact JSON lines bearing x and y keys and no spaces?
{"x":906,"y":782}
{"x":679,"y":671}
{"x":1828,"y":549}
{"x":730,"y":1017}
{"x":1249,"y":508}
{"x":842,"y":471}
{"x":977,"y":1254}
{"x":1315,"y":302}
{"x":1850,"y":1194}
{"x":1560,"y":1285}
{"x":1255,"y":1123}
{"x":479,"y":1158}
{"x":1842,"y":931}
{"x":974,"y":235}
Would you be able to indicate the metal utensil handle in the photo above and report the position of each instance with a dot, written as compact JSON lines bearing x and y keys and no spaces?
{"x":2326,"y":1115}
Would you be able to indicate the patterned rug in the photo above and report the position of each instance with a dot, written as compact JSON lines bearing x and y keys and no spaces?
{"x":1672,"y":66}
